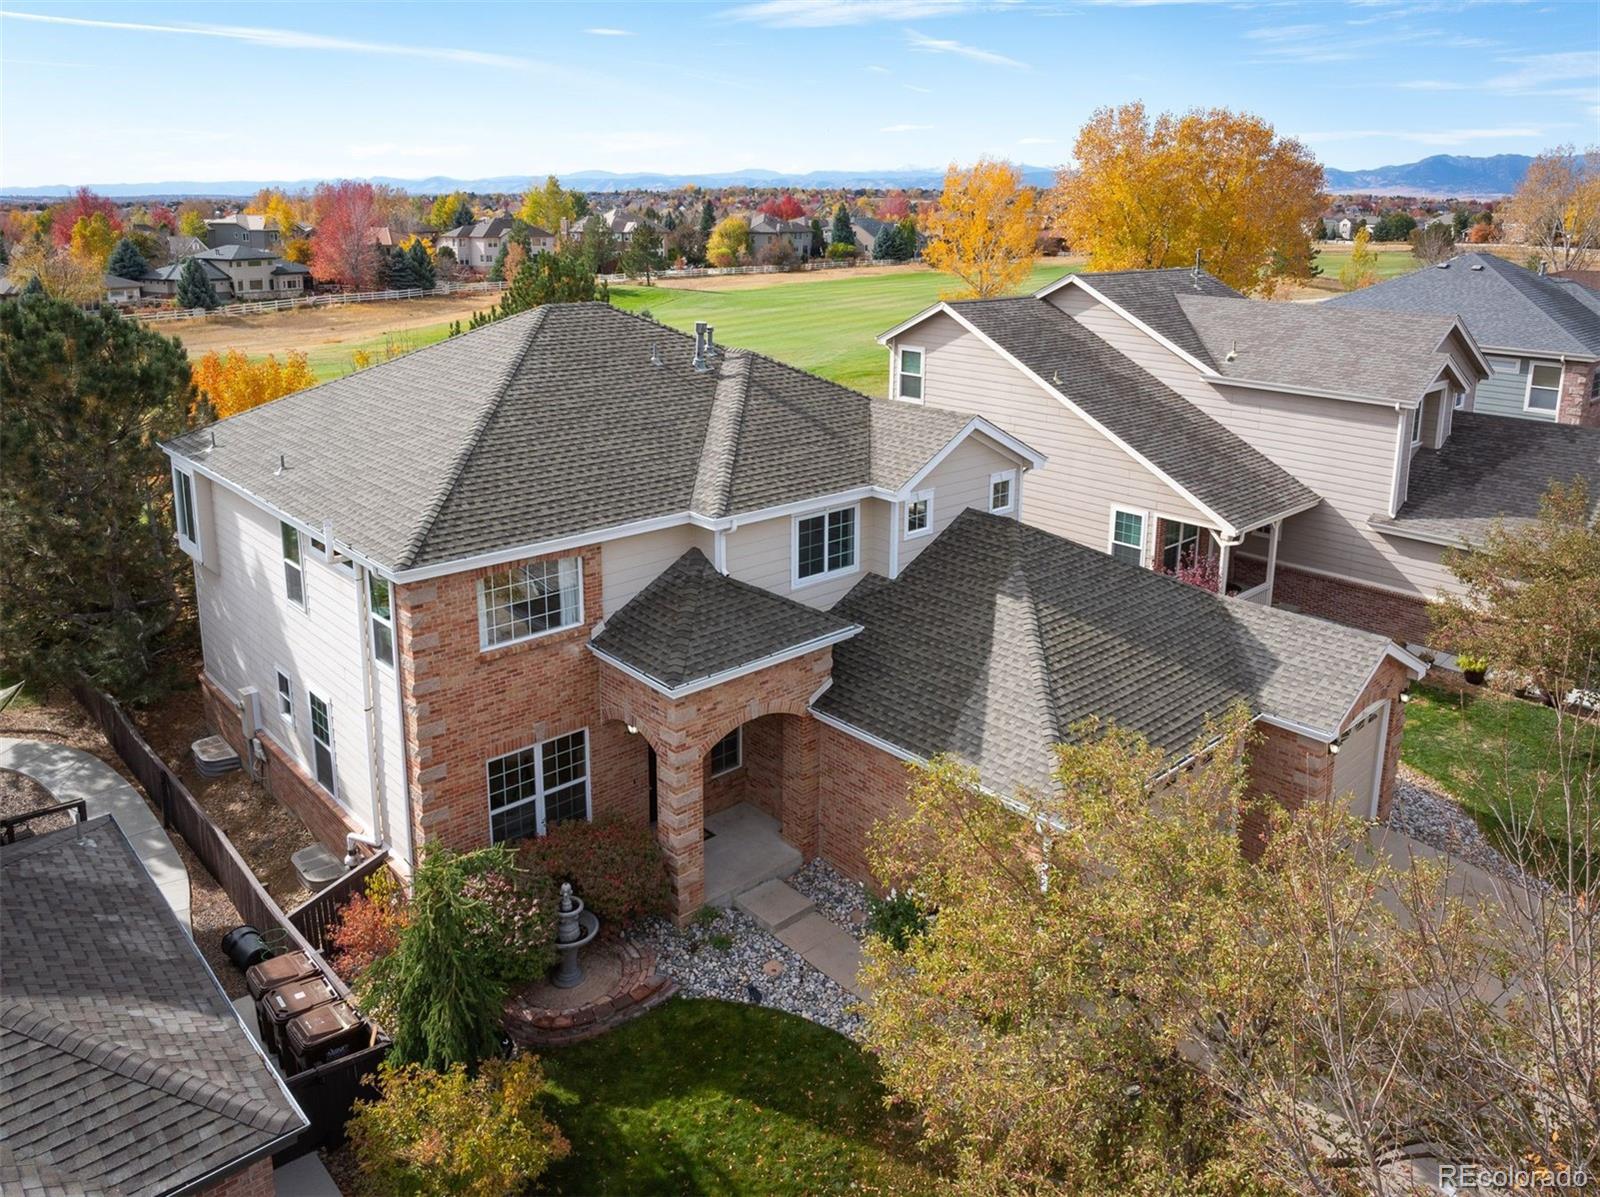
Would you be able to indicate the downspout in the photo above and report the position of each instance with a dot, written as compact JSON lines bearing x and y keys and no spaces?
{"x":380,"y":813}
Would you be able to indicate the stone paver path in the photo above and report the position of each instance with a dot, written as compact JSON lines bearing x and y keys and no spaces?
{"x":799,"y":926}
{"x":71,"y":774}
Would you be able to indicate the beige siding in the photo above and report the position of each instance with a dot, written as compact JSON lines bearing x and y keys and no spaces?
{"x":1086,"y":474}
{"x":762,"y":553}
{"x":628,"y":565}
{"x":960,"y":481}
{"x":1344,"y":451}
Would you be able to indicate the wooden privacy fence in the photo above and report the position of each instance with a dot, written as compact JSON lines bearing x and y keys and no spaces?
{"x":313,"y":916}
{"x":326,"y":1091}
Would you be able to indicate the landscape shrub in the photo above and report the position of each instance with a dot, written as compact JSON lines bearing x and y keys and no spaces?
{"x":440,"y":1134}
{"x":368,"y":925}
{"x":615,"y":866}
{"x":896,"y":919}
{"x":840,"y":252}
{"x":779,"y":252}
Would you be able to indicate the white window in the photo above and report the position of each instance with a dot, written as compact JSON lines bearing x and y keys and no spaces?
{"x":322,"y":742}
{"x":1127,"y":536}
{"x":183,"y":512}
{"x":534,"y":787}
{"x":530,"y":600}
{"x":919,"y":514}
{"x":1458,"y":399}
{"x":1416,"y":425}
{"x":382,"y":619}
{"x":1505,"y":365}
{"x":824,"y":544}
{"x":910,"y":374}
{"x":1002,"y":491}
{"x":727,"y":754}
{"x":1180,"y":544}
{"x":1544,"y":389}
{"x":285,"y":696}
{"x":294,"y":573}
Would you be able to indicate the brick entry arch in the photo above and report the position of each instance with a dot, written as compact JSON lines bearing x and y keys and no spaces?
{"x":682,"y":730}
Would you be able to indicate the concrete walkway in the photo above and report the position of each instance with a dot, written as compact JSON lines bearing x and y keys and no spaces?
{"x":71,"y":774}
{"x":744,"y":847}
{"x":792,"y":917}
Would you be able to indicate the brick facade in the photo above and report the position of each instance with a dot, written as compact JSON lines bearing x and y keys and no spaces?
{"x":1350,"y":603}
{"x":285,"y":780}
{"x":1577,"y":403}
{"x":859,"y":786}
{"x":254,"y":1181}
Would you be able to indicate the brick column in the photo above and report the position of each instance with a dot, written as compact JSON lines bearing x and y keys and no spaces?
{"x":800,"y":789}
{"x":680,"y":825}
{"x":1574,"y":405}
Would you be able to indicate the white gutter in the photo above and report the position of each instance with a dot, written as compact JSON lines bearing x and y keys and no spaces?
{"x":369,"y":694}
{"x":695,"y":685}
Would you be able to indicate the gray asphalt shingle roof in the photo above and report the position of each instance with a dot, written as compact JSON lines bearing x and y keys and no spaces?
{"x":1492,"y":469}
{"x":1000,"y":637}
{"x":1151,"y":296}
{"x":692,"y":623}
{"x":1502,"y":305}
{"x":1386,"y":355}
{"x":553,"y":423}
{"x":236,"y":253}
{"x":123,"y":1067}
{"x":1223,"y":471}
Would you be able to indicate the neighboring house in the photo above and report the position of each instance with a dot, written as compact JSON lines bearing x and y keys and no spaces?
{"x":121,"y":291}
{"x":258,"y":273}
{"x":764,"y":230}
{"x":477,"y":245}
{"x":161,"y":282}
{"x":573,"y":564}
{"x":1184,"y":422}
{"x":1338,"y":228}
{"x":381,"y":234}
{"x":246,"y":229}
{"x":621,"y":222}
{"x":123,"y":1067}
{"x":1540,"y":333}
{"x":865,"y":228}
{"x":180,"y":247}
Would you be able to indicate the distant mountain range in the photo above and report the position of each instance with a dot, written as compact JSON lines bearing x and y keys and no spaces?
{"x":1441,"y":175}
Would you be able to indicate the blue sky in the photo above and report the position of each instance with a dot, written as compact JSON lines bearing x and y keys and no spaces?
{"x":133,"y":92}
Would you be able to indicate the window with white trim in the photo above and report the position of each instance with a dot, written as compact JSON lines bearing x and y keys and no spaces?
{"x":534,"y":787}
{"x":1544,"y":388}
{"x":322,"y":742}
{"x":1416,"y":425}
{"x":1180,"y":544}
{"x":727,"y":754}
{"x":294,"y":570}
{"x":919,"y":514}
{"x":530,"y":600}
{"x":183,"y":512}
{"x":1002,"y":491}
{"x":1127,"y":536}
{"x":911,"y":367}
{"x":1458,"y":399}
{"x":285,"y":696}
{"x":825,"y":544}
{"x":378,"y":604}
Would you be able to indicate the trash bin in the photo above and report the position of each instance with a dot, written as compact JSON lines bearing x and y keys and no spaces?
{"x":278,"y":971}
{"x":281,"y":1006}
{"x":244,"y":946}
{"x":320,"y":1034}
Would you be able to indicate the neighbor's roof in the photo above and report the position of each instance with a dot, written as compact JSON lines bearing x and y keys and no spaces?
{"x":287,"y":267}
{"x":692,"y":624}
{"x":1385,"y":355}
{"x":489,"y":226}
{"x":173,"y":270}
{"x":554,"y":423}
{"x":1502,"y":305}
{"x":255,"y":221}
{"x":1215,"y":465}
{"x":123,"y":1067}
{"x":1491,"y":468}
{"x":236,"y":253}
{"x":115,"y":282}
{"x":1151,"y":297}
{"x":1000,"y":637}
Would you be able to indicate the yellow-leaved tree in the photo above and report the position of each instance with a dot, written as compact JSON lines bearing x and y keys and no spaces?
{"x":1361,"y":270}
{"x":729,"y":243}
{"x":1557,"y":207}
{"x":548,"y":206}
{"x":1151,"y":194}
{"x":234,"y":382}
{"x":985,"y":230}
{"x":93,"y":239}
{"x":192,"y":224}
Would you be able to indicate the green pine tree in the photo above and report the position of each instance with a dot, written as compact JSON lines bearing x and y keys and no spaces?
{"x":126,"y":261}
{"x":422,"y":267}
{"x":397,"y":272}
{"x":816,"y":237}
{"x":462,"y":214}
{"x":497,"y":272}
{"x":194,"y":288}
{"x":643,"y":254}
{"x":92,"y":575}
{"x":844,"y":232}
{"x":708,"y":219}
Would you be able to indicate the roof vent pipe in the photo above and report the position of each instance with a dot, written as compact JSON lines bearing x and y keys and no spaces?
{"x":655,"y":354}
{"x":283,"y":464}
{"x":700,"y":339}
{"x":1233,"y":351}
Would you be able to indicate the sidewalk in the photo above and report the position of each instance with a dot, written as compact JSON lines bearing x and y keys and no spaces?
{"x":788,"y":914}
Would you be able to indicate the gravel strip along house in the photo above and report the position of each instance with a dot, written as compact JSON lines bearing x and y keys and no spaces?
{"x":576,"y":564}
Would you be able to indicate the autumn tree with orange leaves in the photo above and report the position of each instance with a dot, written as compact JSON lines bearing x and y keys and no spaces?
{"x":1150,"y":194}
{"x":234,"y":382}
{"x":986,"y":229}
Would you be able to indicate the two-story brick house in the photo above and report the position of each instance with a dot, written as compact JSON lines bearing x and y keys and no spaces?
{"x":574,"y":564}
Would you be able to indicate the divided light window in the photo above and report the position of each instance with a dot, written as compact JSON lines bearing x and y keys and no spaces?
{"x":1416,"y":426}
{"x":1127,"y":537}
{"x":1002,"y":492}
{"x":382,"y":619}
{"x":285,"y":696}
{"x":1544,"y":388}
{"x":322,"y":742}
{"x":1180,"y":544}
{"x":535,"y":787}
{"x":183,"y":514}
{"x":919,"y":513}
{"x":727,"y":754}
{"x":911,"y":367}
{"x":530,"y":600}
{"x":825,"y":544}
{"x":294,"y":573}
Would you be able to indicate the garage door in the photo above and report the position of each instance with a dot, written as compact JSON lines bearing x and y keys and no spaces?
{"x":1355,"y":768}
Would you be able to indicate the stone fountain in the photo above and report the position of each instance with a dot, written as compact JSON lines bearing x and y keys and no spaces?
{"x":575,"y":928}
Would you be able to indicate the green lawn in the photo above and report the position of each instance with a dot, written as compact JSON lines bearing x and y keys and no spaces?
{"x":713,"y":1097}
{"x":827,"y":326}
{"x":336,"y":361}
{"x":1488,"y":750}
{"x":1394,"y":259}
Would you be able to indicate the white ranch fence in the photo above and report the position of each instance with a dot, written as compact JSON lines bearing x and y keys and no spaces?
{"x":165,"y":315}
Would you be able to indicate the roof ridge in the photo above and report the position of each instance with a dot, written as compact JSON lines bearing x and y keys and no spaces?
{"x":142,"y":1068}
{"x":1038,"y":670}
{"x":713,"y":481}
{"x":442,"y":495}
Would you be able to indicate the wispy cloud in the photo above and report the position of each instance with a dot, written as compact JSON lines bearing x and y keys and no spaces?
{"x":822,"y":14}
{"x":1285,"y":33}
{"x":281,"y":39}
{"x":602,"y":31}
{"x":927,"y":91}
{"x":1433,"y":137}
{"x":879,"y":70}
{"x":904,"y":128}
{"x":1537,"y":71}
{"x":939,"y":45}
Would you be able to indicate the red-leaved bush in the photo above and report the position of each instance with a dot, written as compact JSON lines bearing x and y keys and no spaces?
{"x":615,"y":866}
{"x":369,"y":925}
